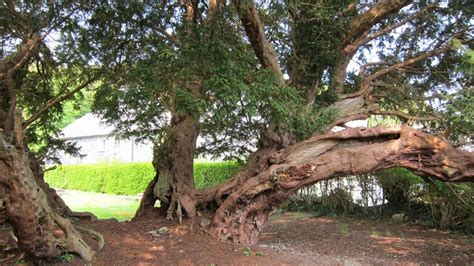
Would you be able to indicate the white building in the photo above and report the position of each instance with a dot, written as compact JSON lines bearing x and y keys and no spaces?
{"x":99,"y":145}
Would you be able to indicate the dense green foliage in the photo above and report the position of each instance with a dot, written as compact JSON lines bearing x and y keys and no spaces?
{"x":73,"y":110}
{"x":129,"y":178}
{"x":450,"y":205}
{"x":50,"y":83}
{"x":236,"y":100}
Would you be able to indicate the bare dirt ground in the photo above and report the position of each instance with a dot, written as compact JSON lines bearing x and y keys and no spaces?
{"x":289,"y":239}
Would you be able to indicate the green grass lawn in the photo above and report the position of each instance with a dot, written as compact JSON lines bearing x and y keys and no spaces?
{"x":122,"y":212}
{"x":104,"y":206}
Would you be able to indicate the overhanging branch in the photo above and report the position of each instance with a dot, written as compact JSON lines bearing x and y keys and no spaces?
{"x":41,"y":111}
{"x":407,"y":62}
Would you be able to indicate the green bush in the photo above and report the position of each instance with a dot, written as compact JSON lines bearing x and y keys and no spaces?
{"x":210,"y":174}
{"x":399,"y":185}
{"x":129,"y":178}
{"x":451,"y":205}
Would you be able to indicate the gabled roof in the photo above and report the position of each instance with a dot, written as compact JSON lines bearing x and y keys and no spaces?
{"x":87,"y":126}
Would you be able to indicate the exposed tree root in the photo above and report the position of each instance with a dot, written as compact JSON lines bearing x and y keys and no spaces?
{"x":72,"y":240}
{"x":148,"y":200}
{"x":83,"y":215}
{"x":96,"y":235}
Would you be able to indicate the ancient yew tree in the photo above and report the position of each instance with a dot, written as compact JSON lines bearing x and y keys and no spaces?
{"x":260,"y":82}
{"x":269,"y":81}
{"x":36,"y":78}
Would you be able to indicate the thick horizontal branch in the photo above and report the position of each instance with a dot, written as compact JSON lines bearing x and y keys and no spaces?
{"x":358,"y":151}
{"x":349,"y":152}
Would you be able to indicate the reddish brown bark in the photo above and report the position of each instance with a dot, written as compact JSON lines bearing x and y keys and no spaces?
{"x":41,"y":231}
{"x":54,"y":200}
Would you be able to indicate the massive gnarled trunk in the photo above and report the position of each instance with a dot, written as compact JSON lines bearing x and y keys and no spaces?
{"x":243,"y":214}
{"x":42,"y":232}
{"x":173,"y":184}
{"x":173,"y":163}
{"x":33,"y":209}
{"x":185,"y":130}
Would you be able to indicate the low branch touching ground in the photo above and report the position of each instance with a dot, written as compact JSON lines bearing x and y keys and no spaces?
{"x":243,"y":214}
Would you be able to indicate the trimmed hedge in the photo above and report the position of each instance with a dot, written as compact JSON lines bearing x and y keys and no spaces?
{"x":129,"y":178}
{"x":210,"y":174}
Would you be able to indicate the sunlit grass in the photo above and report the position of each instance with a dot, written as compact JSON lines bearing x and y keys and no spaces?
{"x":122,"y":212}
{"x":104,"y":206}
